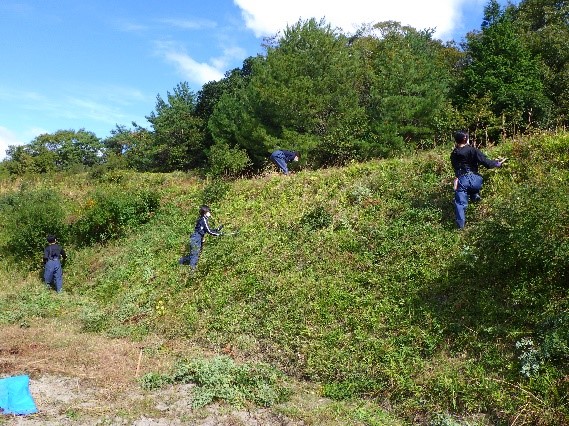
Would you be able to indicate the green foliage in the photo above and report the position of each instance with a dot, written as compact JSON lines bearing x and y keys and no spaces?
{"x":93,"y":320}
{"x":220,"y":378}
{"x":317,"y":218}
{"x":409,"y":88}
{"x":109,"y":214}
{"x":178,"y":132}
{"x":215,"y":191}
{"x":553,"y":335}
{"x":355,"y":278}
{"x":132,"y":148}
{"x":543,"y":25}
{"x":227,"y":161}
{"x":28,"y":218}
{"x":530,"y":362}
{"x":502,"y":69}
{"x":62,"y":150}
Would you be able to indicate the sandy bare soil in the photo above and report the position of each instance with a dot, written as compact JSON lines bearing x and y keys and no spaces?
{"x":84,"y":379}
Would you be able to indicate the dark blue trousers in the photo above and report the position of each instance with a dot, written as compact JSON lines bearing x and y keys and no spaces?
{"x":278,"y":158}
{"x":469,"y":186}
{"x":195,"y":250}
{"x":53,"y":273}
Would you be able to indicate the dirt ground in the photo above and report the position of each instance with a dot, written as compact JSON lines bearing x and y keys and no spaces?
{"x":85,"y":379}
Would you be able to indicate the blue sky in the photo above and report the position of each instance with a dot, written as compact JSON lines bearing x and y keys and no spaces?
{"x":92,"y":64}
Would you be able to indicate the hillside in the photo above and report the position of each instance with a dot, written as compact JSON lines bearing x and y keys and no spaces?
{"x":352,"y":281}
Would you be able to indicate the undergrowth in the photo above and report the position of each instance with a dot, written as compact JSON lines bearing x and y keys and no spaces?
{"x":353,"y":277}
{"x":221,"y":378}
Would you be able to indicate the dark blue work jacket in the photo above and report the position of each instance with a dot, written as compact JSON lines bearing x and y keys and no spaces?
{"x":466,"y":159}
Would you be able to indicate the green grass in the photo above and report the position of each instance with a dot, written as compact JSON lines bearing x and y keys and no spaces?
{"x":354,"y":278}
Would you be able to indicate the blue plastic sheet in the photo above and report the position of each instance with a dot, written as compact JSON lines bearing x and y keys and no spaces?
{"x":15,"y":396}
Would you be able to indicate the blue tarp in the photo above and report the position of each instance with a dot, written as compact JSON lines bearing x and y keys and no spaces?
{"x":15,"y":396}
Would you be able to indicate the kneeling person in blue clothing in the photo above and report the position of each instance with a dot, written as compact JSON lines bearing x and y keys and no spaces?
{"x":281,"y":157}
{"x":465,"y":160}
{"x":197,"y":238}
{"x":52,"y":256}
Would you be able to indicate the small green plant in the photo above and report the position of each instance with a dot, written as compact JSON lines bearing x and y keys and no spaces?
{"x":317,"y":218}
{"x":359,"y":194}
{"x":554,"y":338}
{"x":529,"y":357}
{"x":152,"y":381}
{"x":220,"y":378}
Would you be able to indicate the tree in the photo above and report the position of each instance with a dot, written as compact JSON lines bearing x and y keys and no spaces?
{"x":544,"y":25}
{"x":300,"y":96}
{"x":178,"y":131}
{"x":408,"y":95}
{"x":131,"y":148}
{"x":501,"y":68}
{"x":62,"y":150}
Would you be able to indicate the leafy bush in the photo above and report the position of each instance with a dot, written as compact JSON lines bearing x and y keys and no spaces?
{"x":31,"y":216}
{"x":220,"y":378}
{"x":317,"y":218}
{"x":109,"y":214}
{"x":359,"y":193}
{"x":215,"y":191}
{"x":554,"y":337}
{"x":530,"y":362}
{"x":227,"y":161}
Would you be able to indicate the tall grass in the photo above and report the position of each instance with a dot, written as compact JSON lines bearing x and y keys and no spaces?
{"x":356,"y":278}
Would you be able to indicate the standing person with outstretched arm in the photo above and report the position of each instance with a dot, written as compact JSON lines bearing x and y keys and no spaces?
{"x":197,"y":238}
{"x":465,"y":160}
{"x":281,"y":157}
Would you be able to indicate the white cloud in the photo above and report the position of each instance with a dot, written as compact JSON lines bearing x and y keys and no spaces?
{"x":268,"y":18}
{"x":190,"y":24}
{"x":229,"y":53}
{"x":193,"y":71}
{"x":7,"y":138}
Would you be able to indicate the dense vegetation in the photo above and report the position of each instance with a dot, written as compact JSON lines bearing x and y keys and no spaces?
{"x":382,"y":91}
{"x":353,"y":277}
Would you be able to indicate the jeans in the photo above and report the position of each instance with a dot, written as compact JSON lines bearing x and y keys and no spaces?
{"x":279,"y":159}
{"x":53,"y":272}
{"x":195,"y":250}
{"x":469,"y":186}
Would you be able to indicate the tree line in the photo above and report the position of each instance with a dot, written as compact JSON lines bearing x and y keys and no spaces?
{"x":385,"y":89}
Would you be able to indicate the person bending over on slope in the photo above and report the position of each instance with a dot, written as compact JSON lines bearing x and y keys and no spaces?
{"x":281,"y":157}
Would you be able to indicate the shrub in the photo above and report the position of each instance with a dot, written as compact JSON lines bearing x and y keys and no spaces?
{"x":554,"y":336}
{"x":29,"y":218}
{"x":224,"y":160}
{"x":215,"y":191}
{"x":220,"y":378}
{"x":108,"y":215}
{"x":317,"y":218}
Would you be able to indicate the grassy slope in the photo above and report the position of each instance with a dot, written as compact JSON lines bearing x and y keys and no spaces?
{"x":387,"y":301}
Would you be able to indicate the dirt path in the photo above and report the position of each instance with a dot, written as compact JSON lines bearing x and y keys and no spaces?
{"x":84,"y":379}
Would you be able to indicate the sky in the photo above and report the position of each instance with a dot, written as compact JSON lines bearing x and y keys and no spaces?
{"x":96,"y":64}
